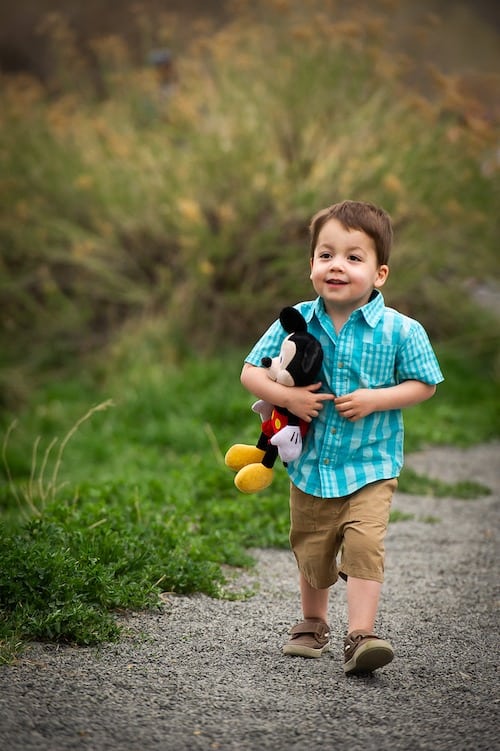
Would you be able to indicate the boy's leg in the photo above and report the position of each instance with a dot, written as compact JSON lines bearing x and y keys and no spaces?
{"x":362,"y":603}
{"x":310,"y":638}
{"x":363,"y":650}
{"x":314,"y":601}
{"x":363,"y":562}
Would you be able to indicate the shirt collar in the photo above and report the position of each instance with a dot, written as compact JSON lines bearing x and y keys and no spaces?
{"x":374,"y":309}
{"x":372,"y":312}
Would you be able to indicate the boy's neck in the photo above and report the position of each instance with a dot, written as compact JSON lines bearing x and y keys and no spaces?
{"x":339,"y":315}
{"x":339,"y":319}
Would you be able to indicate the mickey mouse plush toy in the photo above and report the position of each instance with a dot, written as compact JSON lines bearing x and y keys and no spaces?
{"x":298,"y":364}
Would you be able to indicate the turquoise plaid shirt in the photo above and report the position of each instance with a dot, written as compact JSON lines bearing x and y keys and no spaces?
{"x":376,"y":348}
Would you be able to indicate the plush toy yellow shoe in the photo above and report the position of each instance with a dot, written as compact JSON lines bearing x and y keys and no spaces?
{"x":241,"y":454}
{"x":253,"y":477}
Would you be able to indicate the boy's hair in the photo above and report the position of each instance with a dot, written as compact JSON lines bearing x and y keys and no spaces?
{"x":367,"y":217}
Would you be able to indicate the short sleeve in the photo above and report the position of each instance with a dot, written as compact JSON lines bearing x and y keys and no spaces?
{"x":416,"y":358}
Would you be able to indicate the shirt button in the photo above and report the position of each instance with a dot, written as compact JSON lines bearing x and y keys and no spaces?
{"x":340,"y":364}
{"x":333,"y":431}
{"x":327,"y":461}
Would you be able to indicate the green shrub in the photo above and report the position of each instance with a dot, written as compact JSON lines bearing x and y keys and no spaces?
{"x":195,"y":206}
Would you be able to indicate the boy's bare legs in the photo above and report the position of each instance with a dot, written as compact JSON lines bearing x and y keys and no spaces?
{"x":363,"y":653}
{"x":362,"y":603}
{"x":314,"y":601}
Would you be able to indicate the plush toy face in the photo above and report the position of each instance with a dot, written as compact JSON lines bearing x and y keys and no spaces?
{"x":278,"y":367}
{"x":300,"y":357}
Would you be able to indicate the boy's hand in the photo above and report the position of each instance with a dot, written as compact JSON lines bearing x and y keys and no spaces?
{"x":305,"y":402}
{"x":357,"y":404}
{"x":363,"y":402}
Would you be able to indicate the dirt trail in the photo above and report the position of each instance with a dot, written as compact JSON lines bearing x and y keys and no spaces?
{"x":209,"y":674}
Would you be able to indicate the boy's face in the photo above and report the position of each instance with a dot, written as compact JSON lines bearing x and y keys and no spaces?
{"x":344,"y":268}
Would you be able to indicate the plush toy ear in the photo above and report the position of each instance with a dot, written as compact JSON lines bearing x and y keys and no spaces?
{"x":292,"y":321}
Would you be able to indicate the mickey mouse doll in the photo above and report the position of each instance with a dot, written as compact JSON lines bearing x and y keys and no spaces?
{"x":297,"y":364}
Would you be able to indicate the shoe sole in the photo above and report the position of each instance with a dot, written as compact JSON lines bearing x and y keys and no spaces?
{"x":298,"y":650}
{"x":370,"y":656}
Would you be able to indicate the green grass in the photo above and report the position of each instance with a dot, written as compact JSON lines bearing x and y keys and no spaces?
{"x":415,"y":484}
{"x":465,"y":410}
{"x":137,"y":500}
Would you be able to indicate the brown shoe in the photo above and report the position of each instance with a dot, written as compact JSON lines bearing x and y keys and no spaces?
{"x":365,"y":652}
{"x":308,"y":639}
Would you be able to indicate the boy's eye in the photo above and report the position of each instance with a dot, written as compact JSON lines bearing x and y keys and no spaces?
{"x":354,"y":257}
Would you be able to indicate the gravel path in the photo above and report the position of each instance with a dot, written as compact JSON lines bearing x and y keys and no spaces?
{"x":209,"y":674}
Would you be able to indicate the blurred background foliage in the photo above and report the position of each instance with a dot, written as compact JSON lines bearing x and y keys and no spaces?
{"x":169,"y":194}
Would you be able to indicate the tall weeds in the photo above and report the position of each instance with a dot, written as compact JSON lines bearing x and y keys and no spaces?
{"x":40,"y":490}
{"x":121,"y":199}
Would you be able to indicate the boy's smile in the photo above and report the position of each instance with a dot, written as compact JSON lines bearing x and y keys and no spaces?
{"x":345,"y":269}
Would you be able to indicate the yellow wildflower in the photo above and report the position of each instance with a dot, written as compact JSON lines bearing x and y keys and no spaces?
{"x":226,"y":213}
{"x":302,"y":33}
{"x":84,"y":182}
{"x":190,"y":210}
{"x":392,"y":183}
{"x":259,"y":181}
{"x":82,"y":248}
{"x":22,"y":210}
{"x":206,"y":268}
{"x":453,"y":207}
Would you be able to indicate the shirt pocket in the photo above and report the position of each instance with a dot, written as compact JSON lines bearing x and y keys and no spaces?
{"x":378,"y":366}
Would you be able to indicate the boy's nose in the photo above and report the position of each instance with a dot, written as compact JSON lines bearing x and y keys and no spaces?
{"x":337,"y":263}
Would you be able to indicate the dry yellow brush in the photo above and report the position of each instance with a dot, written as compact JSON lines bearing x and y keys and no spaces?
{"x":121,"y":198}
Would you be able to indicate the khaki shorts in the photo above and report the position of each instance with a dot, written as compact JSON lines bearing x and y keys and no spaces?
{"x":353,"y":525}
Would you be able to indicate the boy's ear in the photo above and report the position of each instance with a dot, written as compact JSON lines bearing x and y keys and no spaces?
{"x":382,"y":274}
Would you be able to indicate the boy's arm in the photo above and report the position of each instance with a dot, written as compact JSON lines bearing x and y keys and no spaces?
{"x":363,"y":402}
{"x":303,"y":401}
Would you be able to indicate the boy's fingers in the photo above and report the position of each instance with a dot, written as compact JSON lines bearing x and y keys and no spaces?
{"x":314,"y":386}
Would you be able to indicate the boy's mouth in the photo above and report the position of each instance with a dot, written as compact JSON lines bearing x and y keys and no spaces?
{"x":335,"y":282}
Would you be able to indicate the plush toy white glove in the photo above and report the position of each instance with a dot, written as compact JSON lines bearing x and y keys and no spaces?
{"x":289,"y":443}
{"x":264,"y":409}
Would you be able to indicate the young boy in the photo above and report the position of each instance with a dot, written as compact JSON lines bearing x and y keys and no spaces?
{"x":376,"y":362}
